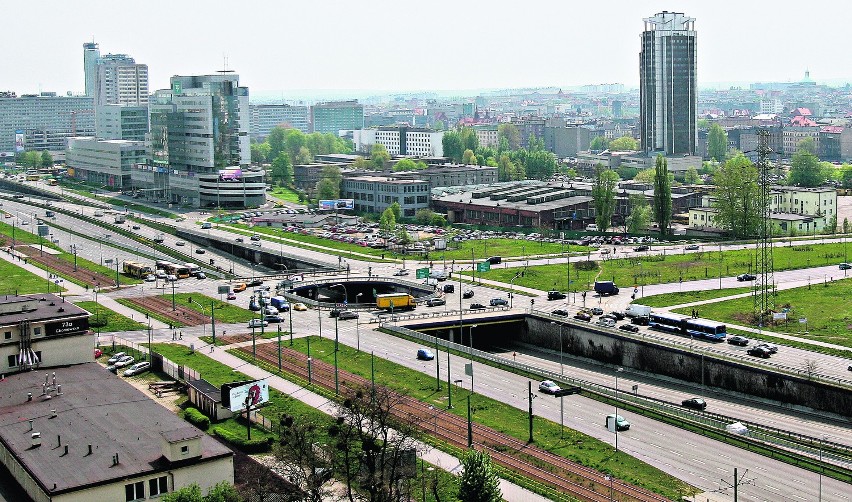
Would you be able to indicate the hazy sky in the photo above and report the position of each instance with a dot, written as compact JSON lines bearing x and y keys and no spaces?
{"x":293,"y":46}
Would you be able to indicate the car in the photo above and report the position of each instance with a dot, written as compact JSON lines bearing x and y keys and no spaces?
{"x":98,"y":353}
{"x":150,"y":278}
{"x":160,"y":274}
{"x":434,"y":302}
{"x":759,"y":351}
{"x":845,"y":266}
{"x":180,"y":243}
{"x":605,"y":322}
{"x":115,"y":357}
{"x":691,"y":247}
{"x":640,"y":320}
{"x":771,"y":347}
{"x":255,"y":237}
{"x":476,"y":306}
{"x":641,"y":248}
{"x":112,"y":369}
{"x":618,"y":316}
{"x":254,"y":283}
{"x":401,"y":272}
{"x":171,"y":277}
{"x":425,"y":355}
{"x":206,"y":225}
{"x":449,"y":288}
{"x":549,"y":387}
{"x":467,"y":294}
{"x":696,"y":403}
{"x":200,"y":251}
{"x":629,"y":328}
{"x":272,"y":318}
{"x":849,"y":368}
{"x":746,"y":277}
{"x":231,"y":296}
{"x":137,"y":368}
{"x":300,"y":307}
{"x":257,"y":323}
{"x":240,"y":239}
{"x":239,"y":287}
{"x":347,"y":314}
{"x":582,"y":316}
{"x":498,"y":302}
{"x":334,"y":313}
{"x":555,"y":295}
{"x":560,"y":312}
{"x":136,"y":227}
{"x":200,"y":275}
{"x":494,"y":260}
{"x":738,"y":340}
{"x":256,"y":244}
{"x":124,"y":361}
{"x":620,"y":423}
{"x":596,"y":311}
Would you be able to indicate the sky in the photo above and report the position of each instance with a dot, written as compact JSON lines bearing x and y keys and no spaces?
{"x":298,"y":47}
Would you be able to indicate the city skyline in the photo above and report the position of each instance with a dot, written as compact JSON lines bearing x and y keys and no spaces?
{"x":331,"y":46}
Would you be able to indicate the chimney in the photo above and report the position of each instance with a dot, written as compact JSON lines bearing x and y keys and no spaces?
{"x":53,"y":413}
{"x":58,"y":441}
{"x":66,"y":450}
{"x":31,"y":424}
{"x":36,"y":439}
{"x":90,"y":451}
{"x":29,"y":396}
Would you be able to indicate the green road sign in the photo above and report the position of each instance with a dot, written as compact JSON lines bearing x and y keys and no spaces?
{"x":483,"y":267}
{"x":423,"y":273}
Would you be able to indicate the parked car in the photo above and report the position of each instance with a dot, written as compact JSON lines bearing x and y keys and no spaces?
{"x":759,"y":351}
{"x":549,"y":387}
{"x":560,"y":312}
{"x":555,"y":295}
{"x":641,"y":248}
{"x":498,"y":302}
{"x":738,"y":340}
{"x":137,"y":368}
{"x":347,"y":314}
{"x":299,"y":307}
{"x":98,"y":353}
{"x":629,"y":327}
{"x":401,"y":272}
{"x":124,"y":361}
{"x":582,"y":316}
{"x":845,"y":266}
{"x":467,"y":294}
{"x":695,"y":403}
{"x":425,"y":355}
{"x":115,"y":357}
{"x":434,"y":302}
{"x":257,"y":323}
{"x":692,"y":247}
{"x":476,"y":306}
{"x":596,"y":311}
{"x":746,"y":277}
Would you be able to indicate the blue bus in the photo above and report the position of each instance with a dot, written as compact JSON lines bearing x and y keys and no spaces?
{"x":684,"y":325}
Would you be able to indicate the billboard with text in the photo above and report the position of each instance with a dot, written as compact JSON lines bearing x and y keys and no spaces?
{"x":230,"y":174}
{"x":336,"y":204}
{"x":239,"y":394}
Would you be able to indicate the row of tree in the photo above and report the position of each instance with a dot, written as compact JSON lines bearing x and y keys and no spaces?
{"x":34,"y":159}
{"x":286,"y":147}
{"x":605,"y":202}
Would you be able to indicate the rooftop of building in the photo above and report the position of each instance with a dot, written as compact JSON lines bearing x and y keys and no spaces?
{"x":36,"y":308}
{"x":384,"y":178}
{"x":483,"y":195}
{"x":95,"y":408}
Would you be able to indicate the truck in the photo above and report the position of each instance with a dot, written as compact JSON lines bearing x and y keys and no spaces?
{"x":395,"y":301}
{"x":637,"y":310}
{"x":119,"y":218}
{"x":604,"y":288}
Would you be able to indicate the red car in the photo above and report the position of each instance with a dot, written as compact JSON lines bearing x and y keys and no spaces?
{"x":98,"y":353}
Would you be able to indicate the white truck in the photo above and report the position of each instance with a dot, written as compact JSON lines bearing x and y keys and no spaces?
{"x":636,"y":310}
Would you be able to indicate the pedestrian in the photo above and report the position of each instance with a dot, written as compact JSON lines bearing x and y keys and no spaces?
{"x":515,"y":356}
{"x":181,"y":335}
{"x":211,"y":349}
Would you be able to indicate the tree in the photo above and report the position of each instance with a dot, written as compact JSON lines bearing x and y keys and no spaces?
{"x":328,"y":187}
{"x":260,"y":152}
{"x":511,"y":134}
{"x":304,"y":457}
{"x":540,"y":165}
{"x":623,"y":144}
{"x":599,"y":143}
{"x":361,"y":163}
{"x":478,"y":482}
{"x":424,"y":216}
{"x":736,"y":197}
{"x":404,"y":165}
{"x":438,"y":220}
{"x":282,"y":170}
{"x":717,"y":143}
{"x":808,"y":145}
{"x":691,"y":176}
{"x":294,"y":140}
{"x":645,"y":176}
{"x":603,"y":193}
{"x":379,"y":156}
{"x":223,"y":492}
{"x":468,"y":157}
{"x":805,"y":169}
{"x":304,"y":156}
{"x":397,"y":211}
{"x":191,"y":493}
{"x":640,"y":215}
{"x":403,"y":238}
{"x":276,"y":141}
{"x":846,"y":175}
{"x":469,"y":139}
{"x":505,"y":168}
{"x":453,"y":146}
{"x":662,"y":195}
{"x":387,"y":223}
{"x":46,"y":159}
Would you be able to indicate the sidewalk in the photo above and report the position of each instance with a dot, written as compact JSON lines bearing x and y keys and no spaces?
{"x":439,"y":459}
{"x":70,"y":287}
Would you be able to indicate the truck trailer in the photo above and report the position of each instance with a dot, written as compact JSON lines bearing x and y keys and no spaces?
{"x":395,"y":301}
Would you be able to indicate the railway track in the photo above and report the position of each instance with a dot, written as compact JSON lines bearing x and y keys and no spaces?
{"x":163,"y":307}
{"x":525,"y":459}
{"x":66,"y":269}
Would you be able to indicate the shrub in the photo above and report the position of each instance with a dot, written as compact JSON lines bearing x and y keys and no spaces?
{"x":246,"y":445}
{"x":197,"y":418}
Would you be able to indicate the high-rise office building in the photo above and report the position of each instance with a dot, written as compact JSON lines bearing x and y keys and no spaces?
{"x":333,"y":117}
{"x":200,"y":151}
{"x":43,"y":121}
{"x":265,"y":117}
{"x":91,"y":54}
{"x":667,"y":84}
{"x":121,"y":81}
{"x":121,"y":122}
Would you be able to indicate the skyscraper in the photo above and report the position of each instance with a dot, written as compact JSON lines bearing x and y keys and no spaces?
{"x":91,"y":54}
{"x":667,"y":84}
{"x":121,"y":81}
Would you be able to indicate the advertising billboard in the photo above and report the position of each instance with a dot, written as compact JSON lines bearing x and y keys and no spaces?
{"x":230,"y":175}
{"x":19,"y":141}
{"x":336,"y":204}
{"x":237,"y":394}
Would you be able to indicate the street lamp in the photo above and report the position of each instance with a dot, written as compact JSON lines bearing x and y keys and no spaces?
{"x":471,"y":356}
{"x":345,"y":293}
{"x":561,"y":367}
{"x":617,"y":371}
{"x":358,"y":326}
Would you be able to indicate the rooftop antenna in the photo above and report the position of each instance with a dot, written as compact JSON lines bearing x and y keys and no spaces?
{"x":225,"y":69}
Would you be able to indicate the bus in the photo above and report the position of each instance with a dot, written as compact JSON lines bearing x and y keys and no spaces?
{"x":193,"y":269}
{"x":33,"y":177}
{"x":179,"y":271}
{"x":136,"y":269}
{"x":684,"y":325}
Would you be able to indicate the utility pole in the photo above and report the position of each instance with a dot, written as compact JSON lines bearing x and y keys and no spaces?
{"x":213,"y":321}
{"x":336,"y":378}
{"x":530,"y":394}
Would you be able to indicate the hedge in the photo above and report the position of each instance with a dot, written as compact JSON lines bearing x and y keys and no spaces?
{"x":245,"y":445}
{"x":197,"y":418}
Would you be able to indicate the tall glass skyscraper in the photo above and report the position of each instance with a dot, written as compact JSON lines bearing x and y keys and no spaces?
{"x":667,"y":84}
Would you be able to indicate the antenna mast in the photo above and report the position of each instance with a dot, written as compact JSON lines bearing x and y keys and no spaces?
{"x":764,"y":290}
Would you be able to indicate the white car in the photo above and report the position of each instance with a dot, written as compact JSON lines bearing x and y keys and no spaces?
{"x":180,"y":243}
{"x":257,"y":323}
{"x":137,"y":368}
{"x":115,"y":357}
{"x":124,"y":361}
{"x":549,"y":387}
{"x":150,"y":278}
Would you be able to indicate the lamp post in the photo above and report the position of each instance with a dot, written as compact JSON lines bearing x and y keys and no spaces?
{"x":512,"y":291}
{"x":821,"y":466}
{"x":470,"y":353}
{"x":358,"y":326}
{"x":561,"y":367}
{"x":336,"y":378}
{"x":617,"y":371}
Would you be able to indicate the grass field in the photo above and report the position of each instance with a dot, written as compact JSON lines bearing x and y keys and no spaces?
{"x":22,"y":234}
{"x":825,"y":306}
{"x":669,"y":299}
{"x":224,"y":312}
{"x":15,"y":279}
{"x":285,"y":194}
{"x":661,"y":269}
{"x":500,"y":416}
{"x":142,"y":310}
{"x":105,"y":320}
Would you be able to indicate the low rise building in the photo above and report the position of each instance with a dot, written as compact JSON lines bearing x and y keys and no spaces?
{"x":374,"y":194}
{"x":105,"y":162}
{"x":401,"y":140}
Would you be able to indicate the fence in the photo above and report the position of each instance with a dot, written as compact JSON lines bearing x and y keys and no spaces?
{"x":840,"y":454}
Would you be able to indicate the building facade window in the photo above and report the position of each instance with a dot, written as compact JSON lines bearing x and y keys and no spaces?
{"x":134,"y":491}
{"x":7,"y":335}
{"x":158,"y":486}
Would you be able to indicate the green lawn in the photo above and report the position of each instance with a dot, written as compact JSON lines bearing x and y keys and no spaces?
{"x":661,"y":269}
{"x":285,"y":194}
{"x":500,"y":416}
{"x":105,"y":320}
{"x":505,"y":248}
{"x":224,"y":312}
{"x":669,"y":299}
{"x":22,"y":234}
{"x":15,"y":279}
{"x":825,"y":306}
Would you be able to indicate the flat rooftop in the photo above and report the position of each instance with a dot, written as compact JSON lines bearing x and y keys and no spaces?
{"x":36,"y":308}
{"x":95,"y":408}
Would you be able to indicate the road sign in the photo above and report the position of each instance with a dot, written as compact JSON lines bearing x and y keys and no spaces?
{"x":423,"y":273}
{"x":339,"y":305}
{"x":483,"y":267}
{"x":223,"y":289}
{"x":803,"y":320}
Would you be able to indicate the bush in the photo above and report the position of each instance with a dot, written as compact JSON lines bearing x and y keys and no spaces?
{"x":197,"y":418}
{"x":245,"y":445}
{"x":586,"y":265}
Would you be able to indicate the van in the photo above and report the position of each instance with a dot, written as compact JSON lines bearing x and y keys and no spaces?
{"x":591,"y":227}
{"x":636,"y":310}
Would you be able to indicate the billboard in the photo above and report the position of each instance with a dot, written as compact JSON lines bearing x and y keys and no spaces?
{"x":65,"y":328}
{"x":19,"y":141}
{"x":230,"y":174}
{"x":236,"y":395}
{"x":334,"y":204}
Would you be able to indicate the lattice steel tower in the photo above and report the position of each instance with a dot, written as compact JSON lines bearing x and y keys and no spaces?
{"x":764,"y":290}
